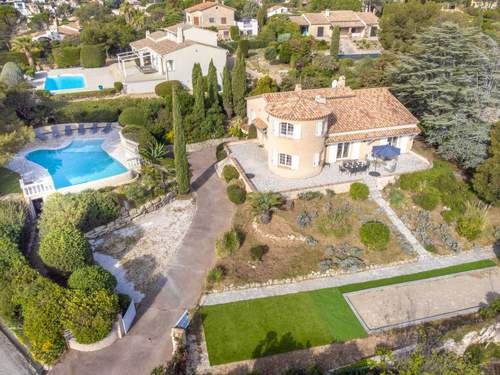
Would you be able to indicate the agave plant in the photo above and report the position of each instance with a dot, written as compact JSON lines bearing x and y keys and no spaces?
{"x":264,"y":203}
{"x":154,"y":151}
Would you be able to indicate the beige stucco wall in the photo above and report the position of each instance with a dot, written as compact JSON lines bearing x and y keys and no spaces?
{"x":217,"y":12}
{"x":327,"y":32}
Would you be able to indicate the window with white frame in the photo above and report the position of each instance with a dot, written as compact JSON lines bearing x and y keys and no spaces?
{"x":285,"y":160}
{"x":343,"y":150}
{"x":170,"y":65}
{"x":320,"y":128}
{"x":393,"y":141}
{"x":286,"y":129}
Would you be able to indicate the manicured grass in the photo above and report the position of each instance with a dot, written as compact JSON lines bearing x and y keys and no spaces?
{"x":9,"y":182}
{"x":261,"y":327}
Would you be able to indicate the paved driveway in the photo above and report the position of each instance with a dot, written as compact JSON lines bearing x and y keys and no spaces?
{"x":419,"y":301}
{"x":149,"y":344}
{"x":11,"y":360}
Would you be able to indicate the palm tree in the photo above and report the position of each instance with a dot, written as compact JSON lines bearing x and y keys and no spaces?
{"x":127,"y":10}
{"x":264,"y":203}
{"x":25,"y":45}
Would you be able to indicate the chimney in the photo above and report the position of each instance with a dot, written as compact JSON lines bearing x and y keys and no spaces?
{"x":298,"y":87}
{"x":327,"y":12}
{"x":147,"y":33}
{"x":319,"y":99}
{"x":180,"y":35}
{"x":341,"y":82}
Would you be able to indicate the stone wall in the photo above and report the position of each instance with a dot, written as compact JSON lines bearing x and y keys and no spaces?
{"x":127,"y":216}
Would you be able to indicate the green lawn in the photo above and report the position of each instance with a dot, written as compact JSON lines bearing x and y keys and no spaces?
{"x":260,"y":327}
{"x":9,"y":182}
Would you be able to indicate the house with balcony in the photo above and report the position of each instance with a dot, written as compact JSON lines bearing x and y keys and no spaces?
{"x":351,"y":24}
{"x":248,"y":27}
{"x":304,"y":137}
{"x":276,"y":9}
{"x":169,"y":54}
{"x":211,"y":14}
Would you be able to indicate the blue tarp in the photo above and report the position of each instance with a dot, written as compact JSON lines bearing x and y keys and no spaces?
{"x":386,"y":152}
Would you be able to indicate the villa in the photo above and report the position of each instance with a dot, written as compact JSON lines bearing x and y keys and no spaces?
{"x":211,"y":14}
{"x":351,"y":24}
{"x":276,"y":9}
{"x":170,"y":54}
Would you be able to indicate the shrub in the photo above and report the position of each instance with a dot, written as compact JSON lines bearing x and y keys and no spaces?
{"x":252,"y":132}
{"x":375,"y":235}
{"x":257,"y":252}
{"x":90,"y":316}
{"x":118,"y":86}
{"x":17,"y":57}
{"x":234,"y":32}
{"x":472,"y":223}
{"x":270,"y":53}
{"x":11,"y":74}
{"x":230,"y":173}
{"x":12,"y":219}
{"x":431,"y":248}
{"x":411,"y":181}
{"x":396,"y":197}
{"x":92,"y":278}
{"x":164,"y":89}
{"x":359,"y":191}
{"x":65,"y":249}
{"x":336,"y":223}
{"x":428,"y":200}
{"x":303,"y":219}
{"x":85,"y":210}
{"x":244,"y":45}
{"x":492,"y":310}
{"x":228,"y":243}
{"x":450,"y":215}
{"x":66,"y":57}
{"x":93,"y":56}
{"x":236,"y":194}
{"x":216,"y":274}
{"x":133,"y":116}
{"x":310,"y":195}
{"x":138,"y":134}
{"x":220,"y":152}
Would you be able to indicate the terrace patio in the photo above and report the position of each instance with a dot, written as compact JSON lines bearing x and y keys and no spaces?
{"x":252,"y":159}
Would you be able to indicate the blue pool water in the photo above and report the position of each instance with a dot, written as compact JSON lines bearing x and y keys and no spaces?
{"x":64,"y":82}
{"x":81,"y":161}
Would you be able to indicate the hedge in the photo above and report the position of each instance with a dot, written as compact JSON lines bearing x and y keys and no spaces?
{"x":92,"y":278}
{"x":65,"y":249}
{"x":18,"y":57}
{"x":229,"y":173}
{"x":359,"y":191}
{"x":12,"y":219}
{"x":236,"y":194}
{"x":66,"y":57}
{"x":85,"y":210}
{"x":93,"y":56}
{"x":164,"y":89}
{"x":133,"y":116}
{"x":87,"y":94}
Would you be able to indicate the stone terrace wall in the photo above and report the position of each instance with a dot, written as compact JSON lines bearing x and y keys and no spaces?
{"x":127,"y":216}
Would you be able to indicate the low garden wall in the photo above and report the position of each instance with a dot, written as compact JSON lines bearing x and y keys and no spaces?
{"x":127,"y":216}
{"x":193,"y":147}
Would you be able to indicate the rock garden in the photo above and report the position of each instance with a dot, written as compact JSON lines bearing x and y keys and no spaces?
{"x":274,"y":238}
{"x":442,"y":212}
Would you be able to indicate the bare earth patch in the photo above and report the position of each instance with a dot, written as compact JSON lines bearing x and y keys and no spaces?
{"x":145,"y":247}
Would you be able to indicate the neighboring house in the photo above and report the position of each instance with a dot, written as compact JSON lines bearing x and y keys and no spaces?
{"x":170,"y":54}
{"x":484,"y":4}
{"x":352,"y":24}
{"x":69,"y":29}
{"x":276,"y":9}
{"x":211,"y":14}
{"x":58,"y":33}
{"x":248,"y":27}
{"x":303,"y":130}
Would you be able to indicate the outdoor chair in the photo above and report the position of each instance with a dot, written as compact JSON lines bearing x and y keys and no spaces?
{"x":39,"y":135}
{"x":93,"y":129}
{"x":81,"y":129}
{"x":68,"y":130}
{"x":55,"y":131}
{"x":107,"y":128}
{"x":342,"y":169}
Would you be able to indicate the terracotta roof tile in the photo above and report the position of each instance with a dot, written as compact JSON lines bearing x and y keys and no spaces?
{"x":373,"y":134}
{"x":368,"y":18}
{"x":299,"y":20}
{"x":201,"y":6}
{"x":316,"y":18}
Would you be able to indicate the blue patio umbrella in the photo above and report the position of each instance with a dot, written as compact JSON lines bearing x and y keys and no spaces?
{"x":386,"y":152}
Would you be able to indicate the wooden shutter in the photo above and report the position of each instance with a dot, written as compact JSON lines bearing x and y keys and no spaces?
{"x":403,"y":144}
{"x":355,"y":147}
{"x":316,"y":158}
{"x":332,"y":153}
{"x":296,"y":131}
{"x":295,"y":162}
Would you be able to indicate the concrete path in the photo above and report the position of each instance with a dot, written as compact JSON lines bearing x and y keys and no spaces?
{"x":149,"y":344}
{"x":12,"y":362}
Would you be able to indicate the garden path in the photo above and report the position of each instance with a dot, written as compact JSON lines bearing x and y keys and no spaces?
{"x":424,"y":262}
{"x":149,"y":344}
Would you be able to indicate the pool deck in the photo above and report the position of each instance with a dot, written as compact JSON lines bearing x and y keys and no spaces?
{"x":31,"y":172}
{"x":93,"y":78}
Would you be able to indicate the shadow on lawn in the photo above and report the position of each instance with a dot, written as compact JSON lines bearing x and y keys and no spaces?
{"x":272,"y":344}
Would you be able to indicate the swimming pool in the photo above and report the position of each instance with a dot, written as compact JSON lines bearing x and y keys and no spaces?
{"x":79,"y":162}
{"x":64,"y":82}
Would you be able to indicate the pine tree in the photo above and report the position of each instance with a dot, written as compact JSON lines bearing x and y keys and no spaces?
{"x":199,"y":98}
{"x":335,"y":42}
{"x":227,"y":92}
{"x":213,"y":86}
{"x":239,"y":85}
{"x":447,"y":80}
{"x":180,"y":157}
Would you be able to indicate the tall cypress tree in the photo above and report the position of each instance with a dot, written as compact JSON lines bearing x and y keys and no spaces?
{"x":239,"y":85}
{"x":199,"y":98}
{"x":196,"y":72}
{"x":335,"y":42}
{"x":227,"y":92}
{"x":180,"y":157}
{"x":213,"y":86}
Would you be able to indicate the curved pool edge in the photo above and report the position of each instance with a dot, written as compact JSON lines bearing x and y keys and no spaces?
{"x":112,"y":181}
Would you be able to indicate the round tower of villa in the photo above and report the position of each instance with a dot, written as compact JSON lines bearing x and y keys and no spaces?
{"x":296,"y":135}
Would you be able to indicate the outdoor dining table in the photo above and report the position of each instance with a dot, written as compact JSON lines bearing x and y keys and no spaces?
{"x":355,"y":166}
